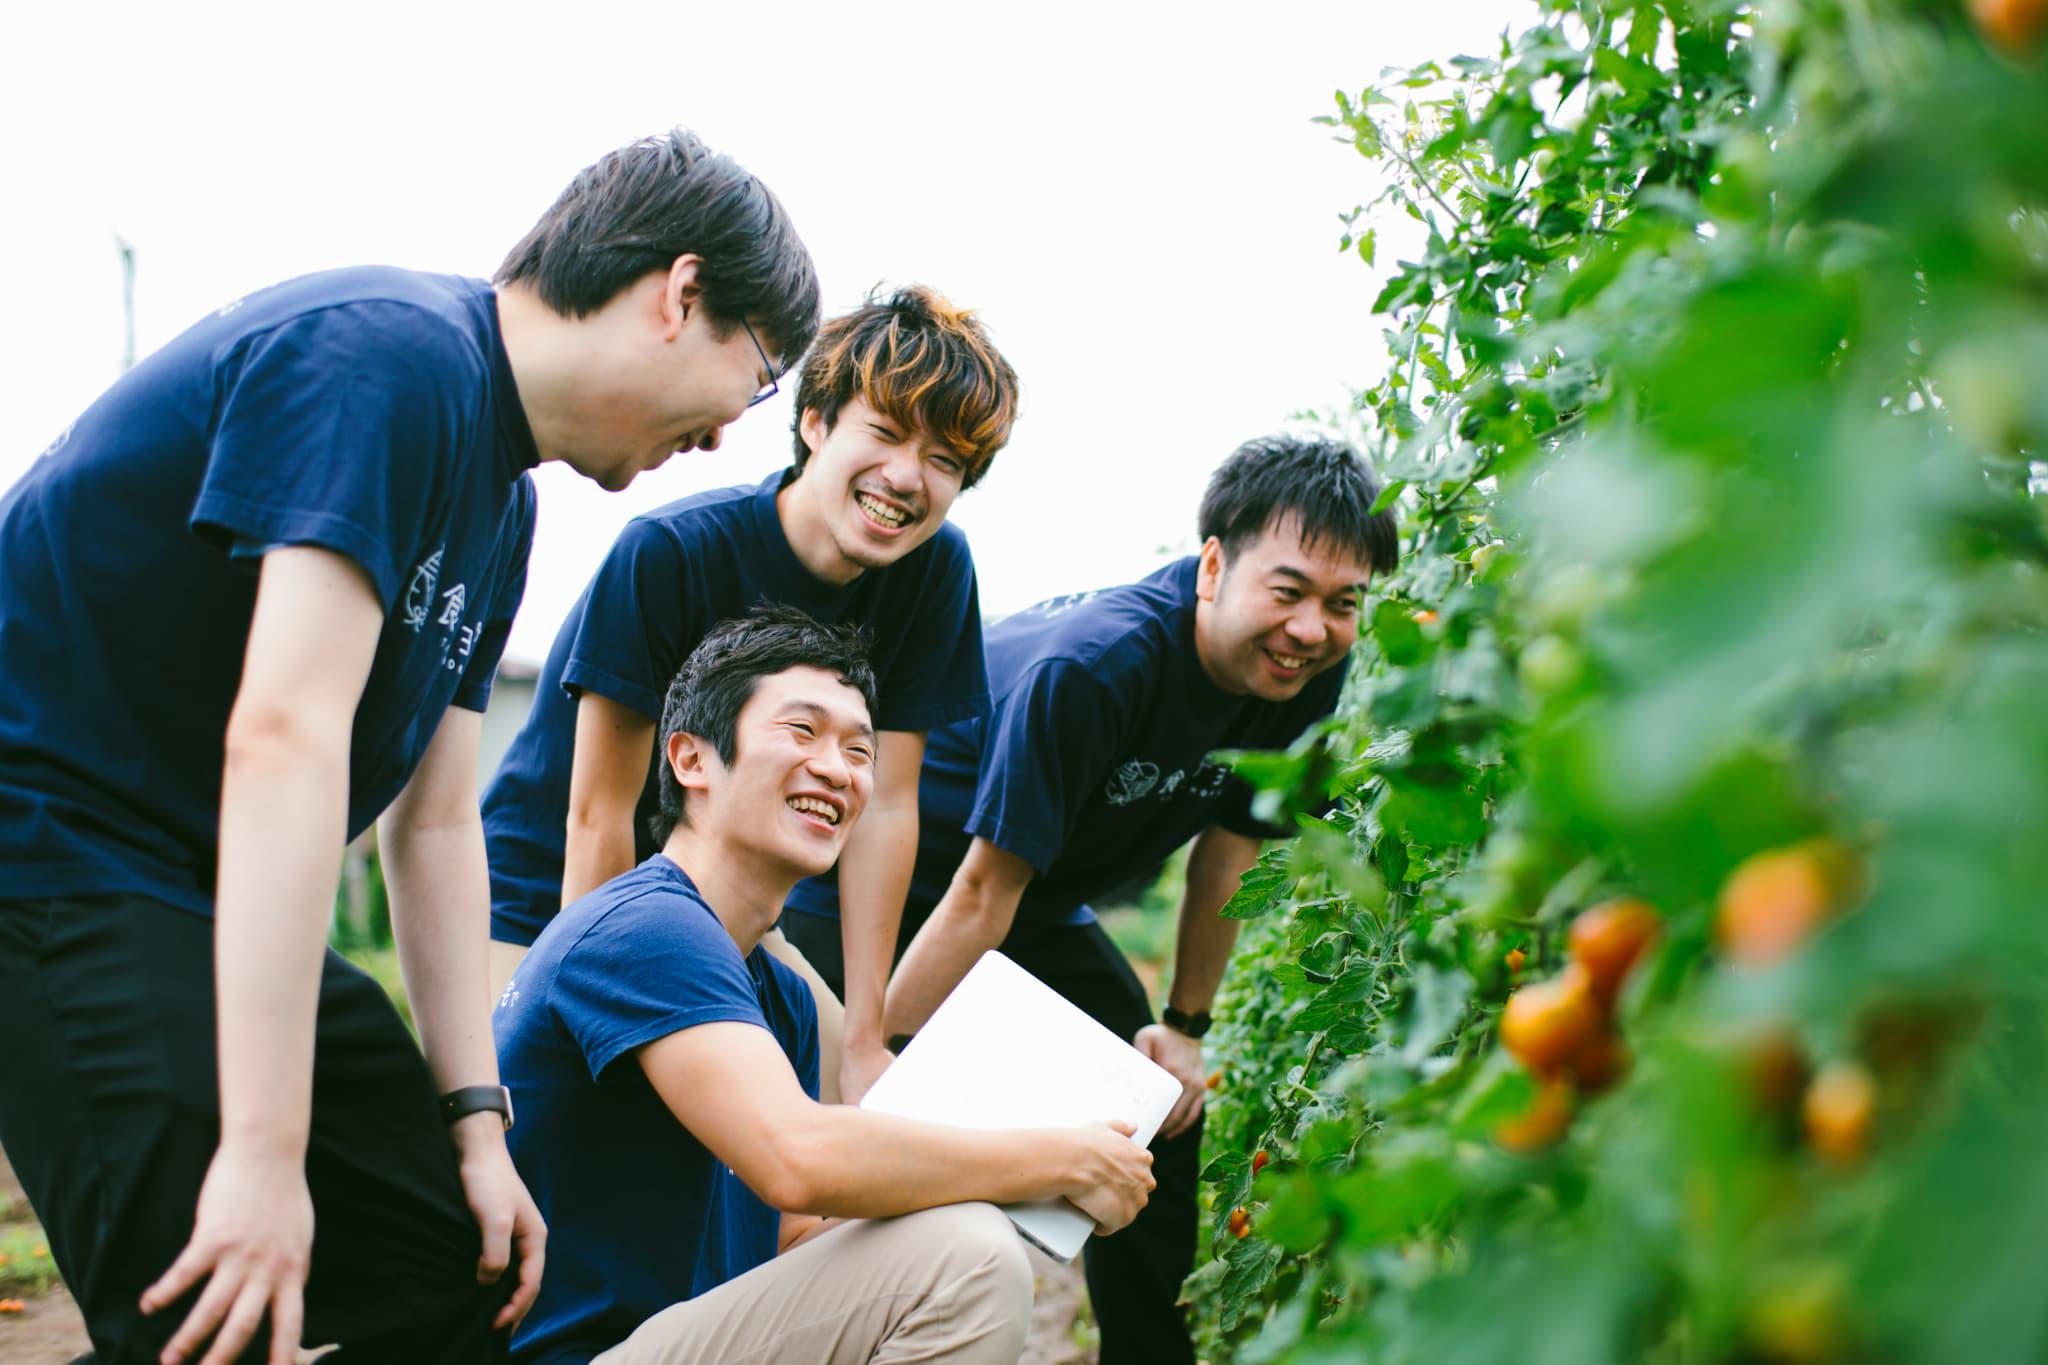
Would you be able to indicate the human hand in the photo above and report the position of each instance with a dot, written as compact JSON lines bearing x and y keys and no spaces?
{"x":505,"y":1213}
{"x":252,"y":1239}
{"x":1113,"y":1175}
{"x":860,"y":1066}
{"x":1182,"y":1056}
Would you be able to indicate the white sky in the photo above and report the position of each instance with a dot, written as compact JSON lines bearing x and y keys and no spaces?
{"x":1131,"y":194}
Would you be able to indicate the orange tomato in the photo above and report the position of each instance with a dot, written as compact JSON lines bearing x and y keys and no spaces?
{"x":1540,"y":1125}
{"x":1425,"y":618}
{"x":12,"y":1306}
{"x":1837,"y":1112}
{"x":1240,"y":1222}
{"x":1600,"y":1061}
{"x":1609,"y":939}
{"x":1544,"y":1024}
{"x":1259,"y":1160}
{"x":2015,"y":25}
{"x":1515,"y":958}
{"x":1775,"y":901}
{"x":1215,"y":1080}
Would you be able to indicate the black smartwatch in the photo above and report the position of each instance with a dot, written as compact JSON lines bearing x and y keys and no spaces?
{"x":1191,"y":1025}
{"x":475,"y":1099}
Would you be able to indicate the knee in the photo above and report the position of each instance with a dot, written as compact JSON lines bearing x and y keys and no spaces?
{"x":992,"y":1275}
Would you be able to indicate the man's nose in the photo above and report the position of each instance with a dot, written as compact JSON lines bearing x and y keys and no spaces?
{"x":1307,"y":626}
{"x":711,"y":442}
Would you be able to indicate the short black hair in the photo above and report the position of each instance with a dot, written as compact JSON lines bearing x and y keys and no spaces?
{"x":716,"y":681}
{"x":647,"y":203}
{"x":920,"y":361}
{"x":1321,"y":481}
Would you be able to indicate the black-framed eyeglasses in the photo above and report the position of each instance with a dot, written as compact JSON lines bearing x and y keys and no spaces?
{"x":773,"y":386}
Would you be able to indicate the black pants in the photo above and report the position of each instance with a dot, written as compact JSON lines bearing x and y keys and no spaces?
{"x":109,"y":1112}
{"x":1134,"y":1276}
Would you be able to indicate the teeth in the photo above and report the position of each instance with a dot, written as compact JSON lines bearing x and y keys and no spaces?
{"x":880,"y":510}
{"x":1287,"y":660}
{"x":810,"y":805}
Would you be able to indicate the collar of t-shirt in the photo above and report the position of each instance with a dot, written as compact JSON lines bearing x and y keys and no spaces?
{"x":783,"y":577}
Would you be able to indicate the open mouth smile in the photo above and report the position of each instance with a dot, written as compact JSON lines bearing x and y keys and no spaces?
{"x":886,"y":515}
{"x":1289,"y":665}
{"x":817,"y":808}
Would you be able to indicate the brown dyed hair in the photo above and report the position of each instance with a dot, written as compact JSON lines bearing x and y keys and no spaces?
{"x":919,"y":361}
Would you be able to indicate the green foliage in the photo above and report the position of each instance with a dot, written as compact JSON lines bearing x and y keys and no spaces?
{"x":1713,"y":416}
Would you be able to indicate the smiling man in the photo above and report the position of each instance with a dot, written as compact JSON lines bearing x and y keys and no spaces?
{"x":251,"y":602}
{"x":665,"y":1069}
{"x":1093,"y":765}
{"x":902,"y":406}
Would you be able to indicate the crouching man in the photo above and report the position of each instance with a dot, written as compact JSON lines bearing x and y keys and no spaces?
{"x":702,"y":1205}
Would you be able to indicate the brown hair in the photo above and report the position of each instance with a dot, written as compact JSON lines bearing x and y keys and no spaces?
{"x":919,"y":361}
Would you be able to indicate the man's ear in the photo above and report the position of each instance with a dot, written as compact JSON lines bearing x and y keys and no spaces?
{"x":813,"y":427}
{"x":1209,"y":573}
{"x":688,"y":759}
{"x":681,"y":294}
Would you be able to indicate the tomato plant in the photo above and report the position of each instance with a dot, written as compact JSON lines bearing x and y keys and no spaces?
{"x":1715,"y":416}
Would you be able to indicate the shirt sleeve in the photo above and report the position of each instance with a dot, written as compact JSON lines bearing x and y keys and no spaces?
{"x":653,"y":966}
{"x":1046,"y":752}
{"x":638,"y":622}
{"x":341,"y":428}
{"x":474,"y":691}
{"x":941,"y":670}
{"x":1234,"y":807}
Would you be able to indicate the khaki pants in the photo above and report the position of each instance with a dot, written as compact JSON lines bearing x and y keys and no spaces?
{"x":950,"y":1283}
{"x":506,"y":957}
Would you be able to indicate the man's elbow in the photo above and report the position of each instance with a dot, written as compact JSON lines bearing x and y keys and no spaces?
{"x":791,"y":1173}
{"x":263,"y":735}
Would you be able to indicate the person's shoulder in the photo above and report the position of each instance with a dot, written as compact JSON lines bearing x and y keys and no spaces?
{"x":714,"y":515}
{"x":1113,"y":632}
{"x":421,"y":326}
{"x":644,"y":912}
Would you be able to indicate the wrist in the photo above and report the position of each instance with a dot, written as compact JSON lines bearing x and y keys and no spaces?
{"x":1188,"y":1023}
{"x":478,"y":1134}
{"x":263,"y":1140}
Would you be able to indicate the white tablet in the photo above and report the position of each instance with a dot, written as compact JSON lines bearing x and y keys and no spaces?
{"x":1005,"y":1050}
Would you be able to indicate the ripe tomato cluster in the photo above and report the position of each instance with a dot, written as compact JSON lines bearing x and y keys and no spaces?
{"x":1563,"y":1029}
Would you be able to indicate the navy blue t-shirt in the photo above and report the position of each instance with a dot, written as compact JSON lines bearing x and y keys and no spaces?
{"x":371,"y":412}
{"x":640,"y":1214}
{"x":1093,"y":763}
{"x":674,"y":574}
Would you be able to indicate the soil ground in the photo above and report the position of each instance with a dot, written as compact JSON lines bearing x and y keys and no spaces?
{"x":49,"y":1331}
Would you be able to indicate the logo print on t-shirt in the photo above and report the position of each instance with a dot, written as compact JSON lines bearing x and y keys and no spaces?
{"x":1132,"y":781}
{"x":419,"y":593}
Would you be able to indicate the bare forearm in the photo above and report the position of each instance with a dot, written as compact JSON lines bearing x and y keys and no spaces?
{"x":849,"y":1163}
{"x":283,"y":822}
{"x":1202,"y":947}
{"x":874,"y":877}
{"x":960,"y":930}
{"x":439,"y":915}
{"x":599,"y":847}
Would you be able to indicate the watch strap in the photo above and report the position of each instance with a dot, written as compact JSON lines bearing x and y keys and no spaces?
{"x":475,"y":1099}
{"x":1180,"y":1021}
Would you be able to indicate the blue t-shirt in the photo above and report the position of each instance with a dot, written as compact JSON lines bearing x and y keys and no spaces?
{"x":371,"y":412}
{"x":1093,"y":763}
{"x":674,"y":574}
{"x":640,"y":1214}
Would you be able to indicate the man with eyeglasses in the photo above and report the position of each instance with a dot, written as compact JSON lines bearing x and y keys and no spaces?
{"x":902,"y":405}
{"x":251,"y":602}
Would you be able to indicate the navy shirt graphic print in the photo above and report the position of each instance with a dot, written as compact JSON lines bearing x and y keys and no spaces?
{"x":673,"y":574}
{"x":370,"y":412}
{"x":1093,"y":763}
